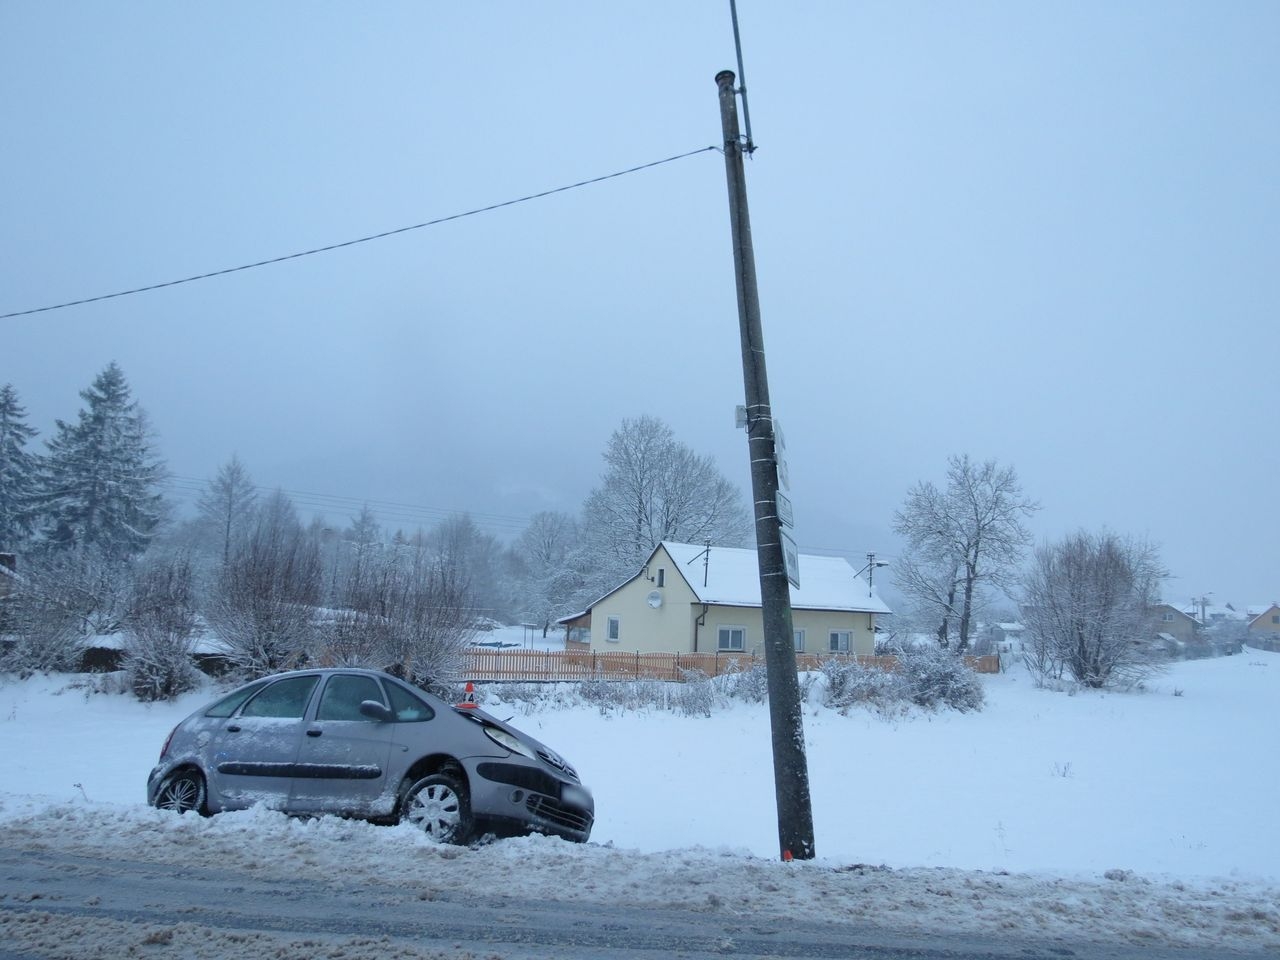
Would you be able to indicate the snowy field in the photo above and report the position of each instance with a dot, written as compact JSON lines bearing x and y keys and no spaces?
{"x":1144,"y":817}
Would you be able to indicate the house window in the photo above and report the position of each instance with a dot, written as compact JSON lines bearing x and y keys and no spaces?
{"x":1275,"y":618}
{"x":733,"y":638}
{"x":614,"y":630}
{"x":840,"y":641}
{"x":1167,"y":617}
{"x":799,"y":641}
{"x":662,"y":577}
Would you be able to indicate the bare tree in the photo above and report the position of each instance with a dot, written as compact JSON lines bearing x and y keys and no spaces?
{"x":226,"y":507}
{"x":263,"y":604}
{"x":542,"y":555}
{"x":408,"y":612}
{"x":1086,"y":606}
{"x":159,"y":629}
{"x":476,"y":559}
{"x":655,"y":488}
{"x":962,"y":539}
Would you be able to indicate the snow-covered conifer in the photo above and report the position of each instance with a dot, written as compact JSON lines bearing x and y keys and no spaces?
{"x":18,"y":471}
{"x":100,"y":479}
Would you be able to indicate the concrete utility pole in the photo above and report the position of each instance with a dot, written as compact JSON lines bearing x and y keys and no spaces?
{"x":790,"y":767}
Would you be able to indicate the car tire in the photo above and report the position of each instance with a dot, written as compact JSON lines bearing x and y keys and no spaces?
{"x":438,"y":806}
{"x":182,"y":792}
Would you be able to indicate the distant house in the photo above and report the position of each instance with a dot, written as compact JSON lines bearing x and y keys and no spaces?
{"x":1006,"y":634}
{"x":688,"y":598}
{"x":1173,"y":625}
{"x":1264,"y":622}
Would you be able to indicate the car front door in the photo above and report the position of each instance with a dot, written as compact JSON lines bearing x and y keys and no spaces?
{"x":342,"y":760}
{"x":255,"y":749}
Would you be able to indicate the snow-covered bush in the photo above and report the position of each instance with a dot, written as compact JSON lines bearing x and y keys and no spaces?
{"x":850,"y":683}
{"x":928,"y":677}
{"x":158,"y":631}
{"x":43,"y":635}
{"x":750,"y":685}
{"x":696,"y":696}
{"x":934,"y":677}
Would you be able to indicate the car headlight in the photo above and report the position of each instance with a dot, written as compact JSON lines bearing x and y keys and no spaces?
{"x":508,"y":742}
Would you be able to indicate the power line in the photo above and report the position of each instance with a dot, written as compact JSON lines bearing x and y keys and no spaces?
{"x":351,"y":243}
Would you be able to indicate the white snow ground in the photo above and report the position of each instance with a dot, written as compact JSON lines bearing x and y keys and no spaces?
{"x":1143,"y":817}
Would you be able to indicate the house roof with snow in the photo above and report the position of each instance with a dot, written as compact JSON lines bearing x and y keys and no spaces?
{"x":733,"y":579}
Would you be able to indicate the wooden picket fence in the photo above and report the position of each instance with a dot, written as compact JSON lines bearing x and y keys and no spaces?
{"x":547,"y":666}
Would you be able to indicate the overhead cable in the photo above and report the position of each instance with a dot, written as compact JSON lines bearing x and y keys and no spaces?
{"x":358,"y":240}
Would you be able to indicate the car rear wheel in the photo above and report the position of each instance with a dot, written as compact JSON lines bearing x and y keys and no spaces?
{"x":438,"y":806}
{"x":182,"y":791}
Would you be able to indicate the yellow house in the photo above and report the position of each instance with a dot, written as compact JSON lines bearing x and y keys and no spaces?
{"x":689,"y":598}
{"x":1265,"y":622}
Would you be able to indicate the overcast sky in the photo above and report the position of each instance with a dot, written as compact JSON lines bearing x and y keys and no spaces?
{"x":1042,"y":233}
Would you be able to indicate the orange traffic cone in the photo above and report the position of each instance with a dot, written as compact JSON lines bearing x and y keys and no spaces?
{"x":469,"y":697}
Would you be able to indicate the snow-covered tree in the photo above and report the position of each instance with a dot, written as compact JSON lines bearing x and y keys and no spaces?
{"x":1086,"y":602}
{"x":961,"y":539}
{"x":542,"y":560}
{"x":476,"y":560}
{"x":225,"y":509}
{"x":263,"y":602}
{"x":656,"y":488}
{"x":410,"y":613}
{"x":18,"y":472}
{"x":100,"y":483}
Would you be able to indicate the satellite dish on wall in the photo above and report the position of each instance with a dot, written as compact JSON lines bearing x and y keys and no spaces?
{"x":654,"y":599}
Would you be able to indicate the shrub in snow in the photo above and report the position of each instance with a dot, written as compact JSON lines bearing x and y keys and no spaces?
{"x":696,"y":696}
{"x":750,"y":685}
{"x":158,"y":631}
{"x":928,"y":677}
{"x":44,"y":635}
{"x":935,"y":677}
{"x":850,"y":683}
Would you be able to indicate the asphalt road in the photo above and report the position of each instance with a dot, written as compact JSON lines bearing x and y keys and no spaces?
{"x":55,"y":905}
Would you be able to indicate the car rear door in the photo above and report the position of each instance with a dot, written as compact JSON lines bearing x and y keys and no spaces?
{"x":342,"y":760}
{"x":255,"y":749}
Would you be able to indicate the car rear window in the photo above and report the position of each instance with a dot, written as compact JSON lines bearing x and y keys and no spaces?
{"x":231,"y":702}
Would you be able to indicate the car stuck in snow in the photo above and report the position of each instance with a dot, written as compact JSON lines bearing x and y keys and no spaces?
{"x":363,"y":743}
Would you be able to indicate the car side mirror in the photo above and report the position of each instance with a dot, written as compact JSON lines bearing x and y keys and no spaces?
{"x":376,"y":711}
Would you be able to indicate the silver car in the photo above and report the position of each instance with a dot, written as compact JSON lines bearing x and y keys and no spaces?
{"x":363,"y":743}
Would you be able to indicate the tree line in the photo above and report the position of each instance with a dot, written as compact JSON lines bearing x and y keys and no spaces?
{"x":103,"y":552}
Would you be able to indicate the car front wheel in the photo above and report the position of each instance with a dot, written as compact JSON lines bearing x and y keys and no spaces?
{"x":181,"y":792}
{"x":438,"y":806}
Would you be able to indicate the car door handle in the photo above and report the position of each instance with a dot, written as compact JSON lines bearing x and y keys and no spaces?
{"x":314,"y":733}
{"x":234,"y":728}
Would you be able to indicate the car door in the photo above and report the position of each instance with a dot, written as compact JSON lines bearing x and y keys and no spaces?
{"x":342,"y":760}
{"x":255,"y":749}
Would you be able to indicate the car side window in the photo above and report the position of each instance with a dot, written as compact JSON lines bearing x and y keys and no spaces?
{"x":284,"y":699}
{"x":407,"y":707}
{"x":343,"y":695}
{"x":230,"y":703}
